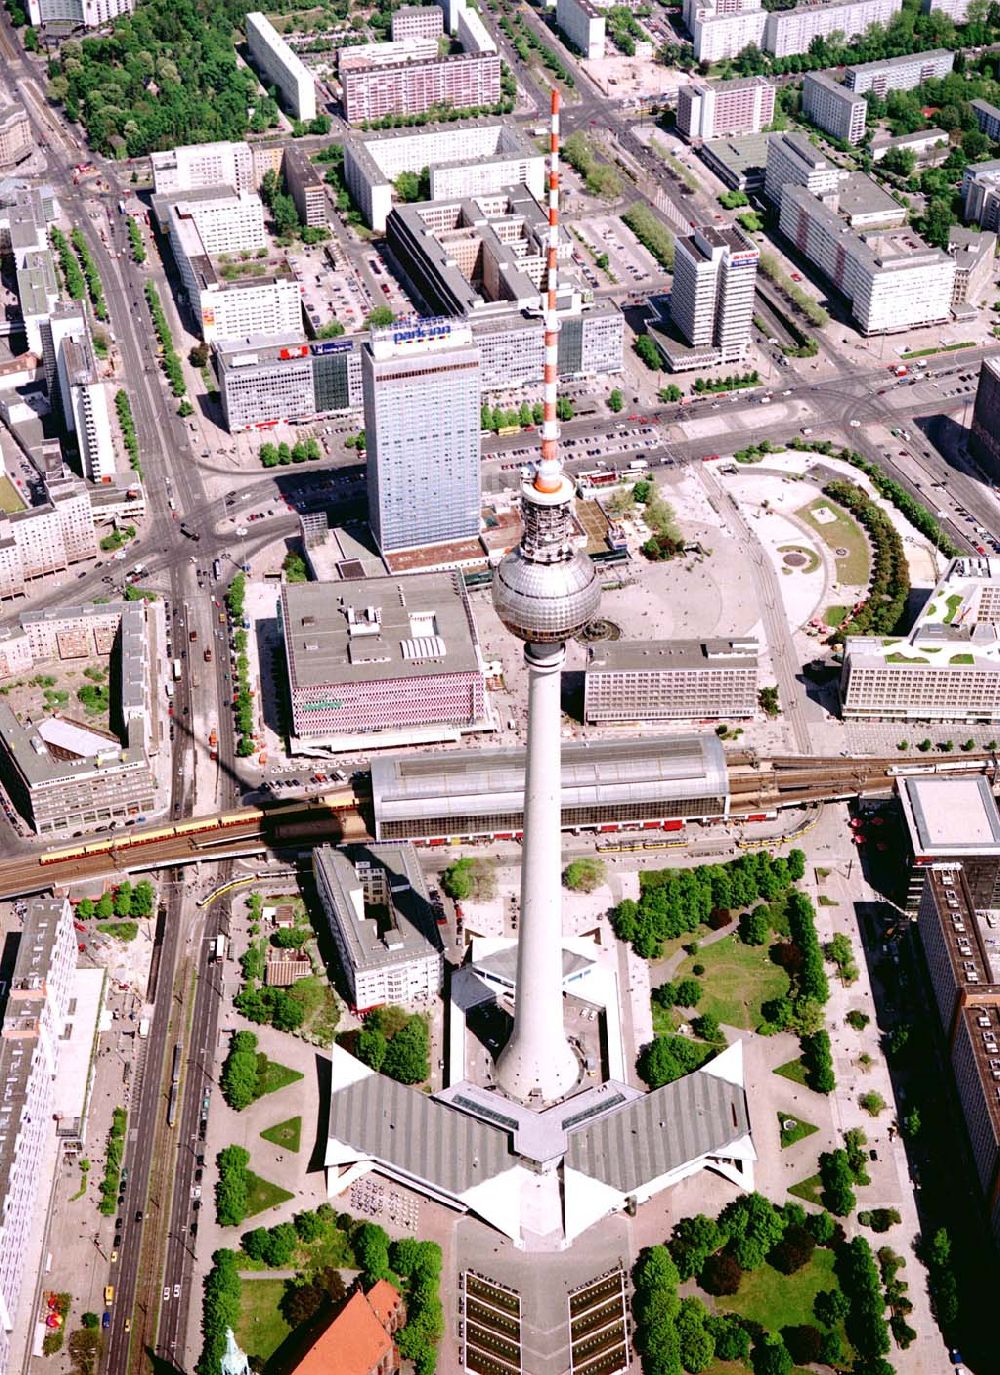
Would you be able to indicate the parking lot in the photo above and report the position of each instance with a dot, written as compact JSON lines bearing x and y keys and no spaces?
{"x":628,"y":261}
{"x":331,"y":288}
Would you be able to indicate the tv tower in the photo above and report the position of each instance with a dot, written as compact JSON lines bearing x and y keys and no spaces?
{"x":544,"y":591}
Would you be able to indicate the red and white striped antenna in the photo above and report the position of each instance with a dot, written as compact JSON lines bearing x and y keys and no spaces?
{"x":548,"y":474}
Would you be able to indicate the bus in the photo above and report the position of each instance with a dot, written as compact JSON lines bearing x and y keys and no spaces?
{"x":177,"y":670}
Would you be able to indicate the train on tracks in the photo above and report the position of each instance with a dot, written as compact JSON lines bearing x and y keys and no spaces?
{"x":287,"y":822}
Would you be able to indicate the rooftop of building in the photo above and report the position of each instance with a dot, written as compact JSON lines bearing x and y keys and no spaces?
{"x":794,"y":142}
{"x":829,"y":82}
{"x":859,"y":195}
{"x":974,"y":970}
{"x":990,"y":169}
{"x":657,"y":656}
{"x":380,"y":934}
{"x":919,"y":136}
{"x":739,"y":155}
{"x":37,"y":284}
{"x":356,"y":1342}
{"x":500,"y":138}
{"x":883,"y":251}
{"x":970,"y":246}
{"x":984,"y":107}
{"x":736,"y":83}
{"x":298,"y":159}
{"x":409,"y":64}
{"x":706,"y":238}
{"x":949,"y":818}
{"x":378,"y":628}
{"x":905,"y":61}
{"x":958,"y":625}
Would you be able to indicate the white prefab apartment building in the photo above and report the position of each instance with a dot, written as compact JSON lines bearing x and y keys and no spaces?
{"x":34,"y":1006}
{"x":88,"y":14}
{"x":463,"y":159}
{"x":946,"y":669}
{"x":715,"y":109}
{"x":834,"y":108}
{"x":791,"y":31}
{"x":584,"y":25}
{"x":668,"y":680}
{"x":892,"y":280}
{"x":273,"y":56}
{"x":899,"y":73}
{"x":199,"y":166}
{"x":723,"y":32}
{"x":379,"y":915}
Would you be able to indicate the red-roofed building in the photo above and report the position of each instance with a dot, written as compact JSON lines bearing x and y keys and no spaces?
{"x":359,"y":1340}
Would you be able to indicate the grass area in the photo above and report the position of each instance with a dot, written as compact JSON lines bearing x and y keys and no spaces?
{"x":287,"y":1135}
{"x":834,"y":615}
{"x":951,"y":606}
{"x":798,"y":1131}
{"x":775,"y":1300}
{"x":942,"y":348}
{"x":794,"y":1070}
{"x":261,"y":1328}
{"x":9,"y":499}
{"x":274,"y":1077}
{"x":737,"y":979}
{"x":665,"y":1020}
{"x":332,"y":1249}
{"x":262,"y":1194}
{"x":809,"y":1190}
{"x":810,"y":555}
{"x":321,"y":1011}
{"x":961,"y":659}
{"x":843,"y":532}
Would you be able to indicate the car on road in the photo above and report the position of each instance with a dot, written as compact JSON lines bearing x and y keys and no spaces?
{"x":114,"y":1257}
{"x":177,"y":1291}
{"x":138,"y":1215}
{"x":105,"y":1320}
{"x":166,"y":1293}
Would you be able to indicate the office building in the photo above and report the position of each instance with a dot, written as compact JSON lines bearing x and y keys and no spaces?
{"x":715,"y":109}
{"x":892,"y":280}
{"x":62,"y":775}
{"x":834,"y":108}
{"x":984,"y":434}
{"x":981,"y":194}
{"x":584,"y":27}
{"x":305,"y":186}
{"x":740,"y":163}
{"x":417,"y":21}
{"x":281,"y":67}
{"x":380,"y":919}
{"x":216,"y":221}
{"x":201,"y":167}
{"x":974,"y":253}
{"x":372,"y":91}
{"x":987,"y":117}
{"x":359,"y":1339}
{"x":960,"y":948}
{"x":720,"y":33}
{"x":263,"y":380}
{"x":947,"y":668}
{"x":374,"y":657}
{"x":463,"y":160}
{"x":34,"y":1003}
{"x":87,"y":14}
{"x":951,"y":821}
{"x":16,"y":138}
{"x":791,"y":31}
{"x":46,"y":539}
{"x":421,"y":389}
{"x":793,"y":161}
{"x":899,"y":73}
{"x":712,"y":299}
{"x":669,"y":680}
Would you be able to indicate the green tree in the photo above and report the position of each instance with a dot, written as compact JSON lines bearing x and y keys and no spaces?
{"x":231,"y":1186}
{"x":371,"y":1248}
{"x":370,"y":1047}
{"x":687,"y":992}
{"x":239,"y":1072}
{"x":380,"y":317}
{"x":696,"y":1340}
{"x":753,"y":1226}
{"x":105,"y":908}
{"x":838,"y":1181}
{"x":770,"y":1356}
{"x":616,"y":402}
{"x":648,"y":352}
{"x":754,"y":927}
{"x":407,"y":1056}
{"x":691,"y":1243}
{"x":585,"y":875}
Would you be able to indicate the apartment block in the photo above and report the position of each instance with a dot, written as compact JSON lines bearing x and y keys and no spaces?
{"x":716,"y":109}
{"x":712,"y":300}
{"x":16,"y":138}
{"x":892,"y":280}
{"x":791,"y":31}
{"x":87,"y":14}
{"x":718,"y":34}
{"x":46,"y":539}
{"x":281,"y":66}
{"x":981,"y":194}
{"x":34,"y":1002}
{"x":464,"y":81}
{"x":417,"y":21}
{"x":834,"y":108}
{"x":959,"y":948}
{"x":464,"y":160}
{"x":899,"y":73}
{"x":974,"y":252}
{"x":584,"y":27}
{"x":379,"y":915}
{"x":947,"y":668}
{"x":305,"y":186}
{"x":421,"y":388}
{"x":90,"y":405}
{"x":987,"y":117}
{"x":927,"y":145}
{"x":632,"y":681}
{"x":202,"y":166}
{"x":956,"y":10}
{"x":984,"y":433}
{"x":793,"y":161}
{"x":382,"y":655}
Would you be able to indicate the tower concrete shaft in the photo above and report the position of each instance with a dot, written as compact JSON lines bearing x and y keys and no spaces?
{"x":537,"y":1062}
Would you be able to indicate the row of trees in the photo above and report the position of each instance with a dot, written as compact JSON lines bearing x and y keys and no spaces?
{"x":239,"y":1079}
{"x":675,"y":902}
{"x":889,"y":585}
{"x":303,"y":451}
{"x":169,"y":359}
{"x":113,"y":1162}
{"x":123,"y":409}
{"x":220,"y":1310}
{"x":125,"y":901}
{"x":232,"y":1188}
{"x":94,"y":288}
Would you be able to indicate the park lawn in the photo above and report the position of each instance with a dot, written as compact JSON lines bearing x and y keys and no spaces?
{"x":287,"y":1135}
{"x":737,"y":979}
{"x":798,"y":1132}
{"x":333,"y":1248}
{"x":775,"y":1300}
{"x":835,"y":615}
{"x":794,"y":1070}
{"x":843,"y":532}
{"x":272,"y":1076}
{"x":665,"y":1020}
{"x":262,"y":1194}
{"x":261,"y":1328}
{"x":809,"y":1190}
{"x":321,"y":1012}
